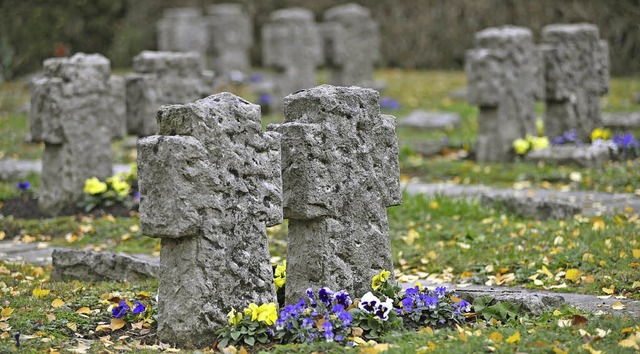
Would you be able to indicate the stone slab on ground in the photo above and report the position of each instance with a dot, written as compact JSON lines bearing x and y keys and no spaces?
{"x":422,"y":119}
{"x":72,"y":264}
{"x":591,"y":203}
{"x":585,"y":155}
{"x":536,"y":208}
{"x":621,"y":120}
{"x":38,"y":253}
{"x":10,"y":168}
{"x":538,"y":301}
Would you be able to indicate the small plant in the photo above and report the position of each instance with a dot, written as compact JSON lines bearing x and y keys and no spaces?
{"x":116,"y":189}
{"x":375,"y":317}
{"x":529,"y":143}
{"x":487,"y":308}
{"x":433,"y":308}
{"x":321,"y":317}
{"x":246,"y":327}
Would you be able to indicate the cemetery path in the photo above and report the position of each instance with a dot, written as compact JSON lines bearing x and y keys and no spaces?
{"x":590,"y":203}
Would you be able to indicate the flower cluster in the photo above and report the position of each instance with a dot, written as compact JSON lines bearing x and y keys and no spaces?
{"x":569,"y":137}
{"x":124,"y":307}
{"x":375,"y":307}
{"x":321,"y":316}
{"x":252,"y":324}
{"x":530,"y":142}
{"x":116,"y":189}
{"x":280,"y":275}
{"x":389,"y":103}
{"x":23,"y":186}
{"x":433,"y":308}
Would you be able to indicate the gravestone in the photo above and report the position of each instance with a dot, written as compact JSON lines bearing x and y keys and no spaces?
{"x":340,"y":172}
{"x":351,"y":45}
{"x":504,"y":78}
{"x":162,"y":78}
{"x":75,"y":112}
{"x":230,"y":36}
{"x":576,"y":75}
{"x":210,"y":184}
{"x":182,"y":29}
{"x":292,"y":46}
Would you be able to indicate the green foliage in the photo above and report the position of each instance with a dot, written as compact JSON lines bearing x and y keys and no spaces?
{"x":488,"y":308}
{"x":247,"y":332}
{"x":373,"y":327}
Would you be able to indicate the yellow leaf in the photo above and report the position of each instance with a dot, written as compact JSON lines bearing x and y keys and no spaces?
{"x":462,"y":336}
{"x":633,"y":341}
{"x":126,"y":236}
{"x":2,"y":235}
{"x":617,"y":305}
{"x":51,"y":317}
{"x":514,"y":338}
{"x":134,"y":228}
{"x":57,"y":303}
{"x":597,"y":223}
{"x":40,"y":293}
{"x":72,"y":326}
{"x":608,"y":290}
{"x":116,"y":324}
{"x":102,"y":328}
{"x":84,"y":310}
{"x":143,"y":295}
{"x":4,"y":326}
{"x":428,"y":330}
{"x":434,"y":205}
{"x":588,"y":347}
{"x":496,"y":337}
{"x":557,"y":313}
{"x":589,"y":279}
{"x":557,"y":350}
{"x":573,"y":275}
{"x":636,"y":253}
{"x":626,"y":330}
{"x":588,"y":257}
{"x":564,"y":323}
{"x":546,"y":271}
{"x":6,"y":312}
{"x":636,"y":284}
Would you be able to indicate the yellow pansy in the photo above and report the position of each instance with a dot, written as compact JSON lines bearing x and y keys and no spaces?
{"x":279,"y":282}
{"x":600,"y":133}
{"x":268,"y":313}
{"x":94,"y":186}
{"x":520,"y":146}
{"x":121,"y":187}
{"x":537,"y":143}
{"x":251,"y":310}
{"x":281,"y":270}
{"x":379,"y":279}
{"x":234,"y":316}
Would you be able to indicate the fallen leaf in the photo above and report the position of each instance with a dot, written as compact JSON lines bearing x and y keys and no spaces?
{"x":357,"y":332}
{"x":514,"y":338}
{"x":617,"y":305}
{"x":57,"y":303}
{"x":633,"y":341}
{"x":2,"y":235}
{"x":4,"y":326}
{"x":589,"y":279}
{"x":143,"y":295}
{"x":6,"y":313}
{"x":608,"y":290}
{"x":102,"y":328}
{"x":116,"y":324}
{"x":51,"y":317}
{"x":573,"y":275}
{"x":72,"y":326}
{"x":40,"y":293}
{"x":636,"y":253}
{"x":496,"y":337}
{"x":636,"y":284}
{"x":598,"y":224}
{"x":557,"y":350}
{"x":137,"y":325}
{"x":579,"y":320}
{"x":588,"y":347}
{"x":564,"y":323}
{"x":83,"y":310}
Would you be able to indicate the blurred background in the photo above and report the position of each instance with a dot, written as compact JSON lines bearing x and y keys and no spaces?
{"x":422,"y":34}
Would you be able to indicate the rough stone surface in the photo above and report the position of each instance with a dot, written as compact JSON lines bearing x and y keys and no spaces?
{"x":430,"y":120}
{"x":351,"y":45}
{"x":69,"y":264}
{"x":585,"y":155}
{"x":340,"y":172}
{"x":292,"y":47}
{"x":210,"y":183}
{"x":118,"y":101}
{"x":576,"y":75}
{"x":536,"y":208}
{"x":161,"y":78}
{"x":73,"y":112}
{"x":182,"y":30}
{"x":621,"y":120}
{"x":230,"y":35}
{"x":503,"y":75}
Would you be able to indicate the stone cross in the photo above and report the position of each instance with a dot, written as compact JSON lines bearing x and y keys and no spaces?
{"x":576,"y":75}
{"x":504,"y":77}
{"x":340,"y":172}
{"x":292,"y":46}
{"x":77,"y":109}
{"x":210,"y":184}
{"x":230,"y":37}
{"x":162,"y":78}
{"x":351,"y":45}
{"x":182,"y":30}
